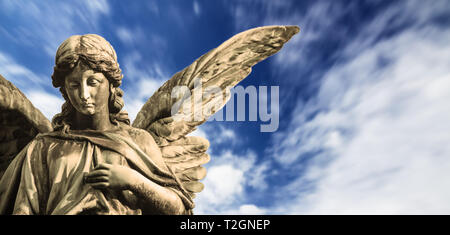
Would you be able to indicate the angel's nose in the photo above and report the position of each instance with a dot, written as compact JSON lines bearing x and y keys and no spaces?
{"x":84,"y":92}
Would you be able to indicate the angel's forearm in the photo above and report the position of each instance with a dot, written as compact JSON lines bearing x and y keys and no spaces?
{"x":155,"y":199}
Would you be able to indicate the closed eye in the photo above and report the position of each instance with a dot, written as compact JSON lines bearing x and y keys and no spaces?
{"x":92,"y":81}
{"x":74,"y":84}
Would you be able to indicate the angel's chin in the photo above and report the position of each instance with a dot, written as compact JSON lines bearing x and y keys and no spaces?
{"x":87,"y":111}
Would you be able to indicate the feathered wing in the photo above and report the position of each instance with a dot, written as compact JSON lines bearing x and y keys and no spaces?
{"x":20,"y":122}
{"x":169,"y":119}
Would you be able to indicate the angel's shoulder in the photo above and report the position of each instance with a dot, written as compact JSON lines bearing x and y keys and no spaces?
{"x":41,"y":142}
{"x":52,"y":137}
{"x":43,"y":138}
{"x":142,"y":137}
{"x":146,"y":142}
{"x":137,"y":133}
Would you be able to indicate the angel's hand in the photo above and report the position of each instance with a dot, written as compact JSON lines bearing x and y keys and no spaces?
{"x":114,"y":177}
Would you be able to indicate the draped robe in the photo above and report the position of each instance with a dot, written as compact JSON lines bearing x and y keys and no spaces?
{"x":47,"y":176}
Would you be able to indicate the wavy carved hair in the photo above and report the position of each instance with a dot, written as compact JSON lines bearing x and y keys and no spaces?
{"x":95,"y":52}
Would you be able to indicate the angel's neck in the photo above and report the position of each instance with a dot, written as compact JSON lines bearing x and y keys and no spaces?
{"x":100,"y":122}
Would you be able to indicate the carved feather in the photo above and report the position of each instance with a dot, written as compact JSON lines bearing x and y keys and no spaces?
{"x":223,"y":67}
{"x":20,"y":122}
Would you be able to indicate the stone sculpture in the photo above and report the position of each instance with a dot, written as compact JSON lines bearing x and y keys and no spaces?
{"x":89,"y":159}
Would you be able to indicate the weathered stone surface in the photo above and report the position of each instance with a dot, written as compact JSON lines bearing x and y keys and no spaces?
{"x":175,"y":163}
{"x":223,"y":67}
{"x":20,"y":122}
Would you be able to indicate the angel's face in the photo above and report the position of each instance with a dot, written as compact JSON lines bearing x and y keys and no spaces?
{"x":88,"y":91}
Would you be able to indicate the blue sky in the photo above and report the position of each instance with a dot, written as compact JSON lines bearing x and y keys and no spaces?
{"x":364,"y":90}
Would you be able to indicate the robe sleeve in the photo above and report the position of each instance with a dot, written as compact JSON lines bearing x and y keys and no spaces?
{"x":146,"y":142}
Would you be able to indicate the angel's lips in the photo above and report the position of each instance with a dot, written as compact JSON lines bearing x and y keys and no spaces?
{"x":87,"y":105}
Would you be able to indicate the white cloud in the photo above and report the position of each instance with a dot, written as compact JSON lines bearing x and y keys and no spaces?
{"x":223,"y":183}
{"x":199,"y":132}
{"x":135,"y":68}
{"x":97,"y":6}
{"x":21,"y":76}
{"x":217,"y":135}
{"x":382,"y":131}
{"x":250,"y":209}
{"x":220,"y":134}
{"x":229,"y":175}
{"x":132,"y":106}
{"x":317,"y":20}
{"x":45,"y":24}
{"x":135,"y":37}
{"x":124,"y":35}
{"x":196,"y":7}
{"x":373,"y":140}
{"x":223,"y":134}
{"x":47,"y":103}
{"x":177,"y":16}
{"x":153,"y":7}
{"x":141,"y":79}
{"x":257,"y":178}
{"x":137,"y":94}
{"x":148,"y":87}
{"x":246,"y":209}
{"x":32,"y":85}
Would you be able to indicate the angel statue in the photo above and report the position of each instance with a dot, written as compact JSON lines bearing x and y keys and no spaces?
{"x":89,"y":159}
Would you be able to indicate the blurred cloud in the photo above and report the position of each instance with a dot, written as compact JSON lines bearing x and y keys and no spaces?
{"x":142,"y":80}
{"x":153,"y":7}
{"x":314,"y":21}
{"x":377,"y":129}
{"x":371,"y":137}
{"x":47,"y":103}
{"x":197,"y":9}
{"x":98,"y":6}
{"x":228,"y":177}
{"x":47,"y":23}
{"x":249,"y":209}
{"x":124,"y":35}
{"x":43,"y":26}
{"x":21,"y":76}
{"x":32,"y":85}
